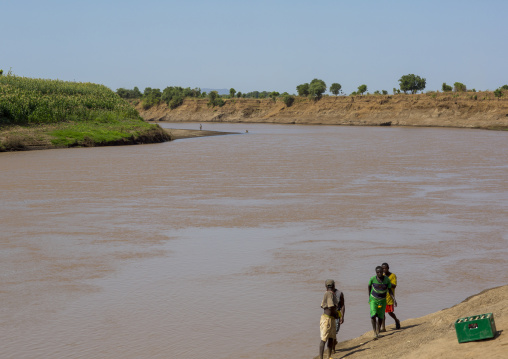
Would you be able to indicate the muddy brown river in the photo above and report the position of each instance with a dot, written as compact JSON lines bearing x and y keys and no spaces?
{"x":218,"y":247}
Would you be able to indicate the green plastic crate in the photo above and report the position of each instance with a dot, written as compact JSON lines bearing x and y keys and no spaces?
{"x":476,"y":327}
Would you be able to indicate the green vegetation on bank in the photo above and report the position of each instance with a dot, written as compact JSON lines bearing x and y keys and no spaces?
{"x":53,"y":113}
{"x":174,"y":96}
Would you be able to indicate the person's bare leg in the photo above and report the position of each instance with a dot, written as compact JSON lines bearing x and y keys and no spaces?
{"x":335,"y":342}
{"x":330,"y":346}
{"x":374,"y":327}
{"x":321,"y":349}
{"x":379,"y":322}
{"x":383,"y":328}
{"x":397,"y":322}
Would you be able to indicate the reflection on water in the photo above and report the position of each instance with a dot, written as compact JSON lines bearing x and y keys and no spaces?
{"x":218,"y":247}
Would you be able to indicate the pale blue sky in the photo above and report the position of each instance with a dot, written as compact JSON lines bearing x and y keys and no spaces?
{"x":257,"y":45}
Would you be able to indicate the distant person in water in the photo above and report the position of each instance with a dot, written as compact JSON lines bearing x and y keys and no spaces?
{"x":200,"y":126}
{"x":379,"y":286}
{"x":390,"y":309}
{"x":327,"y":323}
{"x":341,"y":309}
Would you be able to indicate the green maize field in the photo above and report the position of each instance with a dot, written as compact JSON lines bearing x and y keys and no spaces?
{"x":65,"y":114}
{"x":25,"y":101}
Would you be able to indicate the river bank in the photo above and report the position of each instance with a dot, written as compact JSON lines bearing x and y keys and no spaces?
{"x":177,"y":134}
{"x":434,"y":336}
{"x":463,"y":110}
{"x":42,"y":137}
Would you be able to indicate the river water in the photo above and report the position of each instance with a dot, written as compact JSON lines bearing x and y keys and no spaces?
{"x":218,"y":247}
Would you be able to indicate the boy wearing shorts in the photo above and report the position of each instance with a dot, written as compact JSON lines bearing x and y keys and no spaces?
{"x":390,"y":308}
{"x":379,"y":286}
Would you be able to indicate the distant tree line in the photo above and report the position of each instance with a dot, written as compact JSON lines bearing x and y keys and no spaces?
{"x":173,"y":96}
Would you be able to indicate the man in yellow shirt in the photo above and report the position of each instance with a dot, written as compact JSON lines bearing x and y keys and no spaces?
{"x":390,"y":306}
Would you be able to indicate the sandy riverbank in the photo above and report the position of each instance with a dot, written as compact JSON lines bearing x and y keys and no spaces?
{"x":434,"y":336}
{"x":177,"y":134}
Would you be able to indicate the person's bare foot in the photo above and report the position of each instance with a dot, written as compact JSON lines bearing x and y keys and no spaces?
{"x":382,"y":330}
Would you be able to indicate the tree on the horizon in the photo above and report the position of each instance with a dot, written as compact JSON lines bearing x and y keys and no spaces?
{"x":335,"y":88}
{"x":362,"y":89}
{"x":459,"y":87}
{"x":232,"y":92}
{"x":317,"y":88}
{"x":446,"y":88}
{"x":303,"y":89}
{"x":412,"y":83}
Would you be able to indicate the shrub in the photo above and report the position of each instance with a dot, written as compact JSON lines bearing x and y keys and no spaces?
{"x":446,"y":88}
{"x":273,"y":95}
{"x":175,"y":102}
{"x":288,"y":99}
{"x":459,"y":87}
{"x":174,"y":95}
{"x":151,"y":97}
{"x":128,"y":94}
{"x":215,"y":99}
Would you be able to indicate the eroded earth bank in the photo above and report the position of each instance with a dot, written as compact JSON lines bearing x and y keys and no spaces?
{"x":466,"y":110}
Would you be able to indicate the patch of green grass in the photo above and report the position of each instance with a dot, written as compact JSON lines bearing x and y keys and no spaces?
{"x":98,"y":132}
{"x":91,"y":136}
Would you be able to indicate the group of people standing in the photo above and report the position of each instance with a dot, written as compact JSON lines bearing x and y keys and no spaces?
{"x":381,"y":299}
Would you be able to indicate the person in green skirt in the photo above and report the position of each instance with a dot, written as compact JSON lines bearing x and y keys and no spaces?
{"x":379,"y":285}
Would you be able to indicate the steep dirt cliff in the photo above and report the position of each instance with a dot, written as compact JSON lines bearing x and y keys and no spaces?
{"x":472,"y":110}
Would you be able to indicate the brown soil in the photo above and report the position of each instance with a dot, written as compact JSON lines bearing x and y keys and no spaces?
{"x":431,"y":109}
{"x":434,"y":336}
{"x":176,"y":134}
